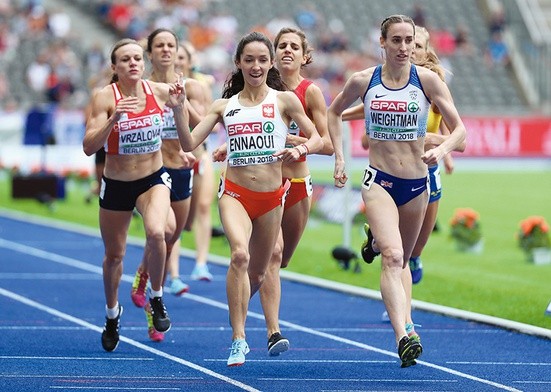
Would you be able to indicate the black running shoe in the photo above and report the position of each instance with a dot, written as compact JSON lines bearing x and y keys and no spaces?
{"x":409,"y":350}
{"x":277,"y":344}
{"x":368,"y":254}
{"x":161,"y":322}
{"x":110,"y":334}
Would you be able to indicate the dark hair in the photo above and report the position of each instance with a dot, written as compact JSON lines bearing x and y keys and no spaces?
{"x":155,"y":33}
{"x":393,"y":19}
{"x":235,"y":82}
{"x":306,"y":49}
{"x":119,"y":44}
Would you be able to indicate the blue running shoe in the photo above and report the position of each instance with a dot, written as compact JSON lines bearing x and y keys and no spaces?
{"x":548,"y":310}
{"x":416,"y":267}
{"x":177,"y":287}
{"x":201,"y":272}
{"x":385,"y":318}
{"x":239,"y":348}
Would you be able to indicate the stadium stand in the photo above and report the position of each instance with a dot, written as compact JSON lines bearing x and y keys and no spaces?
{"x":341,"y":32}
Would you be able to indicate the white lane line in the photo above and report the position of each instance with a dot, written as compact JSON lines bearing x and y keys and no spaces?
{"x":48,"y":276}
{"x":91,"y":268}
{"x":332,"y":361}
{"x":100,"y":377}
{"x":132,"y":342}
{"x":386,"y":380}
{"x":115,"y":388}
{"x":500,"y":363}
{"x":27,"y":357}
{"x":105,"y":378}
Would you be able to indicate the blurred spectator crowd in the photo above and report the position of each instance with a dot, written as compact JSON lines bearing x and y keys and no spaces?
{"x":43,"y":60}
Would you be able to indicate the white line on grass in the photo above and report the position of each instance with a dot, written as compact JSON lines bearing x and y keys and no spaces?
{"x":88,"y":267}
{"x":305,"y":279}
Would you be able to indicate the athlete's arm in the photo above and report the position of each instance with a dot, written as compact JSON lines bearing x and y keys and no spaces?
{"x":315,"y":103}
{"x":191,"y":140}
{"x":103,"y":116}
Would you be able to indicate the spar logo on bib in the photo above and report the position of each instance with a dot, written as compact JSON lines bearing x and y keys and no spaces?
{"x":268,"y":110}
{"x":413,"y":107}
{"x":268,"y":127}
{"x":140,"y":122}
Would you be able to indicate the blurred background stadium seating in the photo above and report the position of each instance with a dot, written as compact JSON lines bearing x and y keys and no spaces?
{"x":52,"y":52}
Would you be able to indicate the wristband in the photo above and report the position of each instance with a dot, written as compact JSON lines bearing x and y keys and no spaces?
{"x":303,"y":152}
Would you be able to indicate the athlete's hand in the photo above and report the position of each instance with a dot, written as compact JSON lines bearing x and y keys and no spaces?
{"x":432,"y":157}
{"x":126,"y":105}
{"x":177,"y":93}
{"x":288,"y":154}
{"x":220,"y":153}
{"x":339,"y":175}
{"x":188,"y":159}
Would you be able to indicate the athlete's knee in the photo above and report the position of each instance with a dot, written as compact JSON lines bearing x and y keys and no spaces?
{"x":392,"y":257}
{"x":154,"y":238}
{"x":277,"y":255}
{"x":113,"y":258}
{"x":240,"y":258}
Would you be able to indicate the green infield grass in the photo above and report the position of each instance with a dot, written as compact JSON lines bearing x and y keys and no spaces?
{"x":500,"y":281}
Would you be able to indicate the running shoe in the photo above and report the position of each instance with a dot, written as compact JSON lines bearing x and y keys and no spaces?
{"x":110,"y":334}
{"x":416,"y":267}
{"x":177,"y":287}
{"x":409,"y":350}
{"x":368,"y":253}
{"x":161,"y":321}
{"x":412,"y":334}
{"x":217,"y":231}
{"x":548,"y":310}
{"x":239,"y":348}
{"x":153,"y":334}
{"x":201,"y":272}
{"x":139,"y":287}
{"x":277,"y":344}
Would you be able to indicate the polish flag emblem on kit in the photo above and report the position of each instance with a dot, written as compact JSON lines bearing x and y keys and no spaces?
{"x":268,"y":110}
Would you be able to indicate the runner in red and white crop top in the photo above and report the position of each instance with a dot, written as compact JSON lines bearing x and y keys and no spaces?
{"x":137,"y":133}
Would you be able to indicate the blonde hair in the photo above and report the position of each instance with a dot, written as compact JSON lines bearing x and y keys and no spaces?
{"x":431,"y":60}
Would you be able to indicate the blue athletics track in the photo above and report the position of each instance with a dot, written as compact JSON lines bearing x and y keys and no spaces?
{"x":52,"y":302}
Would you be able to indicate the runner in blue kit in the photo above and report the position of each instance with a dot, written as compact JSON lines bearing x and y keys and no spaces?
{"x":396,"y":97}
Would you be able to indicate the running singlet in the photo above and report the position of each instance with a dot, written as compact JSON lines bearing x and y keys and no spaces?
{"x":136,"y":133}
{"x":254,"y":133}
{"x":169,"y":126}
{"x":433,"y":122}
{"x":300,"y":92}
{"x":399,"y":115}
